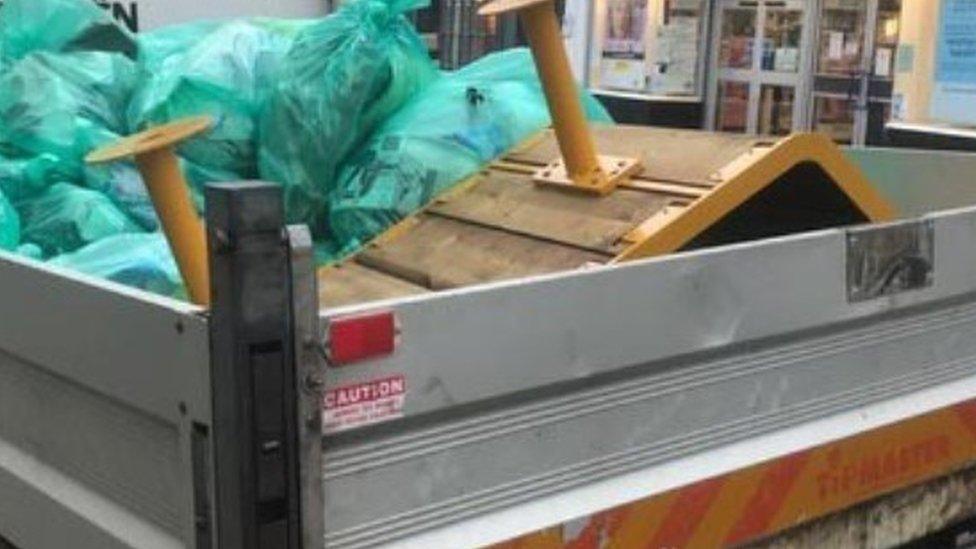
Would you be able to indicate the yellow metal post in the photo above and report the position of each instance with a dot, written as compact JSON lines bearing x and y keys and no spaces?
{"x":580,"y":166}
{"x":160,"y":169}
{"x":544,"y":36}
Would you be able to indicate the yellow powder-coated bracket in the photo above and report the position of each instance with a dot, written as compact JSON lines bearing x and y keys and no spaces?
{"x":160,"y":169}
{"x":579,"y":168}
{"x":744,"y":178}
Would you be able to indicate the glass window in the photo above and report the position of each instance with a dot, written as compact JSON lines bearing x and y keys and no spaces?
{"x":733,"y":106}
{"x":738,"y":38}
{"x":834,"y":116}
{"x":781,"y":45}
{"x":842,"y":37}
{"x":776,"y":109}
{"x":886,"y":41}
{"x":649,"y":47}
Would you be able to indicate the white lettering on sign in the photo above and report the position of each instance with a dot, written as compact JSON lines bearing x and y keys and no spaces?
{"x":367,"y":403}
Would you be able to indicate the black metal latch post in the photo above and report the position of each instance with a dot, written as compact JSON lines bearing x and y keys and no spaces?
{"x":255,"y":438}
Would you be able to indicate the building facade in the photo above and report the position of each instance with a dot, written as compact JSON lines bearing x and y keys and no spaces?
{"x":748,"y":66}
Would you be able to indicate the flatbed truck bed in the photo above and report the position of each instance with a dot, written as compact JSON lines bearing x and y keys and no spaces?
{"x":525,"y":411}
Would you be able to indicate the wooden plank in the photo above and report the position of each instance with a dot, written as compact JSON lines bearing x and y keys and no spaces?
{"x":668,"y":155}
{"x":677,"y":189}
{"x":514,"y":203}
{"x":349,"y":283}
{"x":441,"y":253}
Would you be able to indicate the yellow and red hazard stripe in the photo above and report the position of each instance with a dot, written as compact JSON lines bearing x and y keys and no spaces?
{"x":770,"y":497}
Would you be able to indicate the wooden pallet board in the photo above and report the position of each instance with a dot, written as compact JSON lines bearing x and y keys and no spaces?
{"x":440,"y":253}
{"x":501,"y":225}
{"x":514,"y":203}
{"x":684,"y":156}
{"x":349,"y":282}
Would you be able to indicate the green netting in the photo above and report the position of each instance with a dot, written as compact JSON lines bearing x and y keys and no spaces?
{"x":443,"y":135}
{"x":9,"y":225}
{"x":139,"y":260}
{"x":66,"y":217}
{"x":342,"y":77}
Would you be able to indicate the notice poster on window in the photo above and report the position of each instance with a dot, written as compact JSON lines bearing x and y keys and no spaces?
{"x":676,"y":65}
{"x":622,"y":55}
{"x":954,"y":94}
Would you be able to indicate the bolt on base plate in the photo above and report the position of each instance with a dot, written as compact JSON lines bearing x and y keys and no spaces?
{"x":612,"y":171}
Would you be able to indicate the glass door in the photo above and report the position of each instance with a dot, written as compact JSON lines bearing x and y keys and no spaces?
{"x":854,"y":69}
{"x":881,"y":77}
{"x":738,"y":36}
{"x":759,"y":67}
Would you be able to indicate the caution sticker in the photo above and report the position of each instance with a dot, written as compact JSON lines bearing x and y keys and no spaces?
{"x":361,"y":404}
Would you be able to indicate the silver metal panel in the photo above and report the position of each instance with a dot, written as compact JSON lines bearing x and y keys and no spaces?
{"x":99,"y":388}
{"x":309,"y":378}
{"x":575,"y":378}
{"x":147,"y":351}
{"x":467,"y":346}
{"x":920,"y":182}
{"x":52,"y":511}
{"x":119,"y":463}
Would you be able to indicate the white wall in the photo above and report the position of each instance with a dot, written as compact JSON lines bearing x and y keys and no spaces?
{"x":150,"y":14}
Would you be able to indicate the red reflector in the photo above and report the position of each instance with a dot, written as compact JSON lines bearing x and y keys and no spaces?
{"x":359,"y":338}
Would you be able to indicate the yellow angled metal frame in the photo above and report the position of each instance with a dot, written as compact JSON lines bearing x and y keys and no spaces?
{"x":743,"y":179}
{"x":700,"y":182}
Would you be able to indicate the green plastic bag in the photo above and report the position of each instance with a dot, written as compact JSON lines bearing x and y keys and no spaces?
{"x":156,"y":46}
{"x":64,"y":105}
{"x":445,"y":134}
{"x":342,"y":77}
{"x":66,"y":217}
{"x":9,"y":225}
{"x":223,"y":71}
{"x":25,"y":177}
{"x":138,"y":260}
{"x":28,"y":26}
{"x":123,"y":185}
{"x":55,"y":109}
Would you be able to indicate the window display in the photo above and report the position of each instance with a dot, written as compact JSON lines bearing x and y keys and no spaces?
{"x":842,"y":37}
{"x":650,"y":47}
{"x":738,"y":38}
{"x":733,"y":107}
{"x":624,"y":48}
{"x":886,"y":38}
{"x":834,"y":116}
{"x":776,"y":109}
{"x":781,"y":46}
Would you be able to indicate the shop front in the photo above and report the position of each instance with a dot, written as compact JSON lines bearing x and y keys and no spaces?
{"x":748,"y":66}
{"x":644,"y":58}
{"x":935,"y":80}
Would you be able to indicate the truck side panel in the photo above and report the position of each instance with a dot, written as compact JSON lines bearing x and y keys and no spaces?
{"x":104,"y":396}
{"x":533,"y":403}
